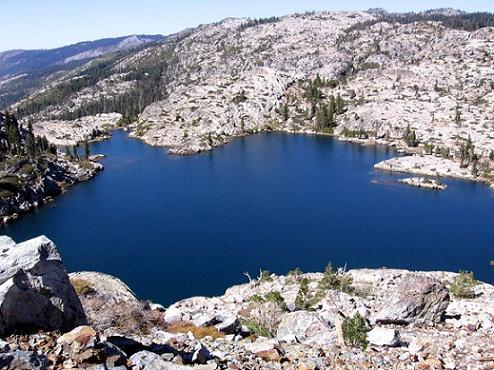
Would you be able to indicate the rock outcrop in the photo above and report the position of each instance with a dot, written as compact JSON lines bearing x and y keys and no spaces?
{"x":26,"y":184}
{"x":35,"y":292}
{"x":415,"y":299}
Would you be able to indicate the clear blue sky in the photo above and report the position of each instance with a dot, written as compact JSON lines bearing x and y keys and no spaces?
{"x":36,"y":24}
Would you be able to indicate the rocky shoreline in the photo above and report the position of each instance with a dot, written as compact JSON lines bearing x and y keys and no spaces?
{"x":424,"y":183}
{"x":357,"y":319}
{"x":27,"y":184}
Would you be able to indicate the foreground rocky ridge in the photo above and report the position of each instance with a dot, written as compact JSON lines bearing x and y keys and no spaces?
{"x":409,"y":320}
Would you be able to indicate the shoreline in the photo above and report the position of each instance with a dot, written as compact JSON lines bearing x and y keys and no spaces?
{"x":84,"y":174}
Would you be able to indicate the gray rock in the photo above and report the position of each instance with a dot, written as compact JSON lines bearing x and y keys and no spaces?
{"x":231,"y":325}
{"x":201,"y":355}
{"x":6,"y":242}
{"x":415,"y":299}
{"x":304,"y":326}
{"x":22,"y":360}
{"x":383,"y":337}
{"x":146,"y":360}
{"x":173,"y":314}
{"x":35,"y":291}
{"x":98,"y":367}
{"x":205,"y":319}
{"x":4,"y":346}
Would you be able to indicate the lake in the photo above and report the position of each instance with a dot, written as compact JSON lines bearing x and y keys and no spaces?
{"x":173,"y":227}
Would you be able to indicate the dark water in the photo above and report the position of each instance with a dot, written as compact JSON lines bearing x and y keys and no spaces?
{"x":173,"y":227}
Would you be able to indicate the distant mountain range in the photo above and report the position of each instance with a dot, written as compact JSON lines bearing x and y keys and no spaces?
{"x":16,"y":62}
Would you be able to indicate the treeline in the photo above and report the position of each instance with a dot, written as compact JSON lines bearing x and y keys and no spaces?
{"x":17,"y":141}
{"x":149,"y":88}
{"x":325,"y":112}
{"x":256,"y":22}
{"x":461,"y":21}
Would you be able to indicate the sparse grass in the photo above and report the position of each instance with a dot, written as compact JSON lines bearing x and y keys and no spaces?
{"x":276,"y":298}
{"x":463,"y":285}
{"x":197,"y":331}
{"x":257,"y":328}
{"x":26,"y":169}
{"x":82,"y":287}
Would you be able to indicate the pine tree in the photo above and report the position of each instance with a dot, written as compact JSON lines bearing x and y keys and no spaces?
{"x":30,"y":142}
{"x":340,"y":104}
{"x":286,"y":113}
{"x":13,"y":134}
{"x":86,"y":150}
{"x":322,"y":116}
{"x":332,"y":107}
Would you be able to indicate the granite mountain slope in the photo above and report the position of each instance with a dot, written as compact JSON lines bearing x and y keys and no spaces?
{"x":401,"y":78}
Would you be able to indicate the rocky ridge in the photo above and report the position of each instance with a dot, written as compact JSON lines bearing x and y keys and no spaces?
{"x":372,"y":319}
{"x":237,"y":77}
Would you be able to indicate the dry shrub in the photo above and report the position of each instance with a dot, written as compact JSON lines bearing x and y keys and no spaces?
{"x":82,"y":287}
{"x":197,"y":331}
{"x":264,"y":319}
{"x":121,"y":317}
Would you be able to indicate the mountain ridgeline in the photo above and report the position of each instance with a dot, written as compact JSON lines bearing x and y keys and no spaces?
{"x":61,"y":73}
{"x":22,"y":71}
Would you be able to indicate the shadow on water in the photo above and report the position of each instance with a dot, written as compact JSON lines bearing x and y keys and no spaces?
{"x":173,"y":227}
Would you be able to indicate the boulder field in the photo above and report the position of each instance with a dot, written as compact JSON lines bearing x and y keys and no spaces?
{"x":357,"y":319}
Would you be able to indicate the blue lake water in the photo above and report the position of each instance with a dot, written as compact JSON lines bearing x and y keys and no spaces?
{"x":173,"y":227}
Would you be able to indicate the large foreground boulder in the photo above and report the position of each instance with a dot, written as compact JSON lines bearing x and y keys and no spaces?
{"x":35,"y":292}
{"x":416,"y":298}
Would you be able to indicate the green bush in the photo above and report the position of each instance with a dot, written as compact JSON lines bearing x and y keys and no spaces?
{"x":256,"y":298}
{"x":257,"y":328}
{"x":336,"y":280}
{"x":296,"y":272}
{"x":463,"y":285}
{"x":265,"y":276}
{"x":276,"y":297}
{"x":355,"y":331}
{"x":302,"y":300}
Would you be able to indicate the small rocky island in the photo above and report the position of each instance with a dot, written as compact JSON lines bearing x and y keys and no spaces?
{"x":357,"y":319}
{"x":424,"y":183}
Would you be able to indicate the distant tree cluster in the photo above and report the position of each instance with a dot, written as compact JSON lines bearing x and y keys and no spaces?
{"x":149,"y":88}
{"x":461,"y":21}
{"x":257,"y":22}
{"x":410,"y":137}
{"x":467,"y":155}
{"x":16,"y":141}
{"x":324,"y":112}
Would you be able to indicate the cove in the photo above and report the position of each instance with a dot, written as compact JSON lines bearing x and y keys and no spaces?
{"x":173,"y":227}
